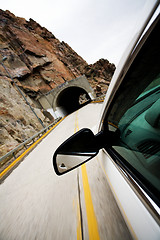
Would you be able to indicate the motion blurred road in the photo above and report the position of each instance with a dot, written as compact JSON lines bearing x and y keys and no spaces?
{"x":35,"y":203}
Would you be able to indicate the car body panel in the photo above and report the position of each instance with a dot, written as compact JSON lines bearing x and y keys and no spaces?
{"x":139,"y":220}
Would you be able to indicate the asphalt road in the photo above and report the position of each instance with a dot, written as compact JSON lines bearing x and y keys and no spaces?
{"x":35,"y":203}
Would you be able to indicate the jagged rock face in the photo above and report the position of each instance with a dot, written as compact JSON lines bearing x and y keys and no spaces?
{"x":38,"y":62}
{"x":99,"y":75}
{"x":31,"y":58}
{"x":17,"y":122}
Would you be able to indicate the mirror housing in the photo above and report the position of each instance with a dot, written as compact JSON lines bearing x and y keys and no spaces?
{"x":76,"y":150}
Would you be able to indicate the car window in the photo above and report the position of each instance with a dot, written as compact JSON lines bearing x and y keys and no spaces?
{"x":135,"y":116}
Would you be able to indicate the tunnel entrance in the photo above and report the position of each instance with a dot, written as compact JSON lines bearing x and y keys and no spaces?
{"x":71,"y":99}
{"x":67,"y":97}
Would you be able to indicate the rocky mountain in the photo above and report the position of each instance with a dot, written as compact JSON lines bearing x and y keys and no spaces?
{"x":38,"y":62}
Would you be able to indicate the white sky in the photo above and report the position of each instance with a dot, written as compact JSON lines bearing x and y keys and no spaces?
{"x":93,"y":28}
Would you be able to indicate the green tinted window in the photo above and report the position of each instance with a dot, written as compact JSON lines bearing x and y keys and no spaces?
{"x":135,"y":114}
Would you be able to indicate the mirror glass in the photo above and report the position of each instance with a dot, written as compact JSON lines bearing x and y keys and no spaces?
{"x":76,"y":150}
{"x":67,"y":162}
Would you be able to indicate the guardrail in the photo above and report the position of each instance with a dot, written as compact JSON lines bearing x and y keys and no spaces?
{"x":27,"y":143}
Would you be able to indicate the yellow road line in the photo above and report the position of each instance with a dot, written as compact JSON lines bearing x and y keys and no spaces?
{"x":91,"y":218}
{"x":79,"y":230}
{"x":27,"y":151}
{"x":79,"y":227}
{"x":112,"y":124}
{"x":97,"y":101}
{"x":120,"y":205}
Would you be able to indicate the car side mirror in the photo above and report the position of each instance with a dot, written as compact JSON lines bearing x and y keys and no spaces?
{"x":75,"y":151}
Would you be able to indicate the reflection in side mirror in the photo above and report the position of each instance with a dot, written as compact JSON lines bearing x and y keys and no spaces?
{"x":67,"y":162}
{"x":76,"y":150}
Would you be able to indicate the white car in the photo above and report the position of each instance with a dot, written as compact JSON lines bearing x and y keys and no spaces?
{"x":128,"y":133}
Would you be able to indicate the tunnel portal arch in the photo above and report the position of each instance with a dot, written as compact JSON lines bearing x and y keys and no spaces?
{"x":67,"y":97}
{"x":70,"y":99}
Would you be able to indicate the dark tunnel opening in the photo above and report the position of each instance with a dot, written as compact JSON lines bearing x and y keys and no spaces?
{"x":71,"y":99}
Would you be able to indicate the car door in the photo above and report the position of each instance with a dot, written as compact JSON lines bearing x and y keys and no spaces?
{"x":131,"y":158}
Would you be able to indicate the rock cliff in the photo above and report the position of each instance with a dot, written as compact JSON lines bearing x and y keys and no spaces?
{"x":38,"y":62}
